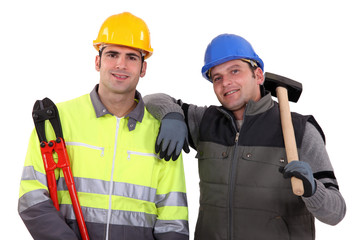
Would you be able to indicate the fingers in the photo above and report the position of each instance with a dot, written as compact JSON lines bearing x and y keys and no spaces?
{"x":158,"y":143}
{"x":164,"y":149}
{"x":186,"y":146}
{"x":169,"y":150}
{"x":301,"y":170}
{"x":174,"y":150}
{"x":171,"y":139}
{"x":299,"y":167}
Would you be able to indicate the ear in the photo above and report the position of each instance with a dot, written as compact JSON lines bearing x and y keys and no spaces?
{"x":143,"y":69}
{"x":97,"y":63}
{"x":259,"y":76}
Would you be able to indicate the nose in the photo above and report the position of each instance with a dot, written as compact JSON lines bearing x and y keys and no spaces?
{"x":226,"y":80}
{"x":121,"y":62}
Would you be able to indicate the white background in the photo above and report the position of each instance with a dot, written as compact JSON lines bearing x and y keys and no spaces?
{"x":46,"y":51}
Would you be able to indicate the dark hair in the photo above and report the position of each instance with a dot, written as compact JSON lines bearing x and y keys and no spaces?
{"x":252,"y":68}
{"x":100,"y":54}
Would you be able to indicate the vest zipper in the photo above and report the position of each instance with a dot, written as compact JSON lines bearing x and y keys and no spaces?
{"x":232,"y":185}
{"x":232,"y":171}
{"x":111,"y":179}
{"x":232,"y":174}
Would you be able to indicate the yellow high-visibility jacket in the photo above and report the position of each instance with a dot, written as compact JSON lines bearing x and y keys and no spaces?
{"x":124,"y":189}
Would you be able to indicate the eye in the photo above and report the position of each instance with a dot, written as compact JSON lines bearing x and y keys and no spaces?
{"x":133,"y":58}
{"x":111,"y":55}
{"x":216,"y":79}
{"x":235,"y":71}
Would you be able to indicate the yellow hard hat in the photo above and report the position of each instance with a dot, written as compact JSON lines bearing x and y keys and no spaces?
{"x":125,"y":29}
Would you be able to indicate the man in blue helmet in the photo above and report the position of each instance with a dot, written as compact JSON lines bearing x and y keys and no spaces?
{"x":240,"y":149}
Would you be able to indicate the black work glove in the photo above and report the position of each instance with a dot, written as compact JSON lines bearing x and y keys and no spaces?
{"x":172,"y":137}
{"x":301,"y":170}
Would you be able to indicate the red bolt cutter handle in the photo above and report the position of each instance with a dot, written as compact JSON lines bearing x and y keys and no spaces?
{"x":64,"y":163}
{"x":50,"y":165}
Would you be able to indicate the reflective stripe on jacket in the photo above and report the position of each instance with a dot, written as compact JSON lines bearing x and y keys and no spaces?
{"x":125,"y":190}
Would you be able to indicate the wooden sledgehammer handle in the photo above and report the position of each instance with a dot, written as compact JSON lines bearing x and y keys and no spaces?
{"x":289,"y":136}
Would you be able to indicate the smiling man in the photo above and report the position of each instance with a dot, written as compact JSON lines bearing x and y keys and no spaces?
{"x":235,"y":85}
{"x":240,"y":151}
{"x":120,"y":69}
{"x":125,"y":190}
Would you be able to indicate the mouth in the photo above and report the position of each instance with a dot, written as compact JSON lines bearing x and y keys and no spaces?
{"x":120,"y":76}
{"x":231,"y":92}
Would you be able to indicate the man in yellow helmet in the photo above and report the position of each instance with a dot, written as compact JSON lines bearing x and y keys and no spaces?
{"x":125,"y":190}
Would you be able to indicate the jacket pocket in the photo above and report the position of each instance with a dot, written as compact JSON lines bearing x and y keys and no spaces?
{"x":139,"y":168}
{"x":258,"y":225}
{"x":130,"y":153}
{"x":214,"y":162}
{"x":265,"y":155}
{"x":100,"y":149}
{"x":85,"y":159}
{"x":265,"y":162}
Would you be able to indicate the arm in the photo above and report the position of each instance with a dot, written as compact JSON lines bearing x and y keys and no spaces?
{"x":159,"y":105}
{"x":171,"y":203}
{"x":35,"y":206}
{"x":327,"y":203}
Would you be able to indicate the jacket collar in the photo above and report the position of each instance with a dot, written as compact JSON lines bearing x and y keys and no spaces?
{"x":252,"y":107}
{"x":264,"y":104}
{"x":134,"y":116}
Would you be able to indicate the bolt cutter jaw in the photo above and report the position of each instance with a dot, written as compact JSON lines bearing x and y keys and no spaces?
{"x":46,"y":110}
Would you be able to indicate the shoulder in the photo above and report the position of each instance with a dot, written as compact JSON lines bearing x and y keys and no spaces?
{"x":76,"y":111}
{"x":76,"y":105}
{"x":313,"y":133}
{"x":310,"y":124}
{"x":149,"y":118}
{"x":84,"y":99}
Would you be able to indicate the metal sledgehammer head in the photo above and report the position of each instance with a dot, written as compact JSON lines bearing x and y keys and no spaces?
{"x":272,"y":81}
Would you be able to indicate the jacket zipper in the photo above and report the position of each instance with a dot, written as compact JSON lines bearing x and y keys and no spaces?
{"x":111,"y":179}
{"x":87,"y":146}
{"x":232,"y":184}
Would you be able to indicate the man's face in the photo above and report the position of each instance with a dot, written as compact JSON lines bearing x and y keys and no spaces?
{"x":235,"y":84}
{"x":120,"y":69}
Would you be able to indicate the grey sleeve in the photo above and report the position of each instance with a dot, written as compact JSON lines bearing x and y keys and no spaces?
{"x":327,"y":204}
{"x":160,"y":104}
{"x":44,"y":222}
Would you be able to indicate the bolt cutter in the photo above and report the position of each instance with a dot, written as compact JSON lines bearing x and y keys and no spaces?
{"x":46,"y":110}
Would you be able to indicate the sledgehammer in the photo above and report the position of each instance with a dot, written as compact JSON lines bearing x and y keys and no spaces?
{"x":286,"y":90}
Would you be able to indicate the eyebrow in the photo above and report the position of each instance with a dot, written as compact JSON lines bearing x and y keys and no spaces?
{"x":234,"y":66}
{"x":127,"y":54}
{"x":227,"y":69}
{"x":111,"y":52}
{"x":133,"y":55}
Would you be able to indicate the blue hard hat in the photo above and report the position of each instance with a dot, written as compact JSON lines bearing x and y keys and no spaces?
{"x":226,"y":47}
